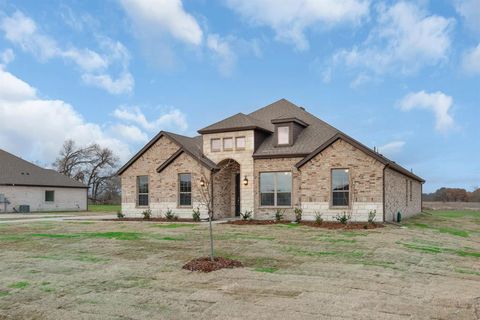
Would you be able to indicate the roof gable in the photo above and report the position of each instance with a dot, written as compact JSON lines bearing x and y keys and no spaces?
{"x":237,"y":122}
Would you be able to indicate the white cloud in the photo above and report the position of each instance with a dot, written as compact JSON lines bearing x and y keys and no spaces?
{"x":23,"y":31}
{"x":124,"y":83}
{"x":392,"y":148}
{"x":405,"y":39}
{"x":7,"y":56}
{"x":470,"y":11}
{"x":471,"y":60}
{"x":36,"y":128}
{"x":129,"y":133}
{"x":163,"y":16}
{"x":290,"y":18}
{"x":437,"y":102}
{"x":173,"y":119}
{"x":222,"y":52}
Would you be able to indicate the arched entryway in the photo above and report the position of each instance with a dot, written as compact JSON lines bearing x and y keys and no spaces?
{"x":226,"y":189}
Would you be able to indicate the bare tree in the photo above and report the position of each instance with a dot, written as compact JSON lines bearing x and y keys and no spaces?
{"x":93,"y":165}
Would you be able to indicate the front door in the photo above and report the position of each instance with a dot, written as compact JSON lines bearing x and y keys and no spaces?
{"x":237,"y":195}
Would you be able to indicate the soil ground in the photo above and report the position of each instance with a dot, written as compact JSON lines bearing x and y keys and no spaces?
{"x":428,"y":269}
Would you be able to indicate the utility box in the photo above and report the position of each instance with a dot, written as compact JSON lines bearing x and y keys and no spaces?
{"x":24,"y":208}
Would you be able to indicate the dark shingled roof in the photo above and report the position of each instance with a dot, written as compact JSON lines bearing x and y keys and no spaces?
{"x":309,"y":139}
{"x":315,"y":137}
{"x":16,"y":171}
{"x":238,"y":122}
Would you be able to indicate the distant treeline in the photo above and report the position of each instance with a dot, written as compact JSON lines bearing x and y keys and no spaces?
{"x":453,"y":195}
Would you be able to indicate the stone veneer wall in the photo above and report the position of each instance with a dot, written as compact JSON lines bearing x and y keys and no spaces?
{"x":275,"y":165}
{"x":243,"y":157}
{"x":366,"y":183}
{"x":397,"y":197}
{"x":163,"y":187}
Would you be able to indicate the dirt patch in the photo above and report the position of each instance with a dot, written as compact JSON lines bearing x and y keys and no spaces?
{"x":325,"y":224}
{"x":157,"y":219}
{"x":205,"y":264}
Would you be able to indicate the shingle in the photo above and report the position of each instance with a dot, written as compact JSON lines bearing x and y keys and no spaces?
{"x":16,"y":171}
{"x":237,"y":122}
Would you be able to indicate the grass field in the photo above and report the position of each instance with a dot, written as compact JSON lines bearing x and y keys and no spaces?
{"x":104,"y":207}
{"x":428,"y":269}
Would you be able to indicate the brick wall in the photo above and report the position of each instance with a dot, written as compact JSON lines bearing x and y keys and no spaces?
{"x":163,"y":187}
{"x":366,"y":183}
{"x":397,"y":195}
{"x":272,"y":165}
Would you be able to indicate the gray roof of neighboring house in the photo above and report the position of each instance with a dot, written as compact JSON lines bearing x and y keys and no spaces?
{"x":317,"y":134}
{"x":16,"y":171}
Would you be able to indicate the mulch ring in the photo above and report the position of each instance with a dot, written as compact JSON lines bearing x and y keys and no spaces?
{"x":324,"y":224}
{"x":205,"y":264}
{"x":155,"y":219}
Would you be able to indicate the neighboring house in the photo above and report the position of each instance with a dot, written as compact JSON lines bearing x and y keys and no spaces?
{"x":278,"y":157}
{"x":25,"y":184}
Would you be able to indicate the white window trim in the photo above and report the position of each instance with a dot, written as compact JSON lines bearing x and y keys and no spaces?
{"x":275,"y":185}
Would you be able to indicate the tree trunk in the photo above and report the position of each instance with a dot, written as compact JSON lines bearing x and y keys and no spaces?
{"x":211,"y":236}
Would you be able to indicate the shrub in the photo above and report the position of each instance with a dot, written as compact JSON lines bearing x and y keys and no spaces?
{"x":278,"y":215}
{"x":318,"y":218}
{"x":343,"y":218}
{"x":298,"y":214}
{"x":247,"y":215}
{"x":147,"y":214}
{"x":371,"y":216}
{"x":170,"y":215}
{"x":120,"y":215}
{"x":196,"y":214}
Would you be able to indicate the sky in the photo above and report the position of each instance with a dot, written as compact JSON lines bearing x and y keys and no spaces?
{"x":402,"y":76}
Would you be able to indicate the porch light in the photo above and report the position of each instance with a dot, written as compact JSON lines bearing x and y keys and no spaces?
{"x":245,"y":181}
{"x":202,"y":182}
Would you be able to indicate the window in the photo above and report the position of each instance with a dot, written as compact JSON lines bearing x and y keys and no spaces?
{"x":240,"y":142}
{"x":185,"y":189}
{"x":49,"y":196}
{"x":215,"y":145}
{"x":283,"y":135}
{"x":340,"y":188}
{"x":142,"y":187}
{"x":411,"y":195}
{"x":227,"y":143}
{"x":276,"y":189}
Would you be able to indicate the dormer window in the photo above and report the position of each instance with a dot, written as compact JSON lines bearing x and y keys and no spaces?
{"x":283,"y":134}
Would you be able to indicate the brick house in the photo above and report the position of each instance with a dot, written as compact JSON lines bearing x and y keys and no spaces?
{"x":278,"y":157}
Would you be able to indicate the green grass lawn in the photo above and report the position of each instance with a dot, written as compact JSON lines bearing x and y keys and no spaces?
{"x":104,"y":207}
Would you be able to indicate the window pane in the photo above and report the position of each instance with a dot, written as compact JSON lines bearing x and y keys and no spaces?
{"x":185,"y":182}
{"x":240,"y":142}
{"x":284,"y":199}
{"x":216,"y":144}
{"x":142,"y":182}
{"x":228,"y":143}
{"x":284,"y":182}
{"x":267,"y":199}
{"x":49,"y":196}
{"x":267,"y":182}
{"x":340,"y":179}
{"x":283,"y":135}
{"x":143,"y":199}
{"x":340,"y":199}
{"x":185,"y":199}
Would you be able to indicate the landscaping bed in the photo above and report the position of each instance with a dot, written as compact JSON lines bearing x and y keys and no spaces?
{"x":324,"y":224}
{"x":205,"y":264}
{"x":156,"y":219}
